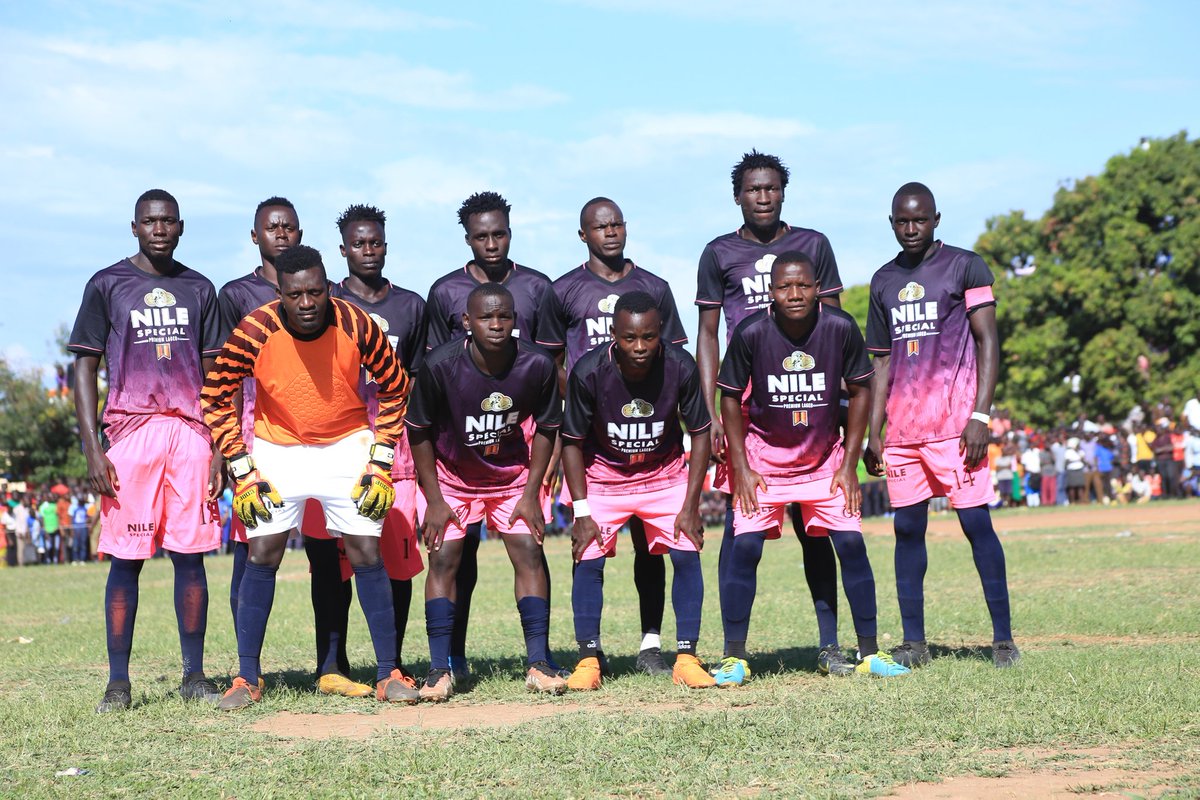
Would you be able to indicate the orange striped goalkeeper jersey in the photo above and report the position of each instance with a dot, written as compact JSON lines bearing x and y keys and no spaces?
{"x":307,"y":390}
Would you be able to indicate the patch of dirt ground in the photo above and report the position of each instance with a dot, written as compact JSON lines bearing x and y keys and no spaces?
{"x":1151,"y":519}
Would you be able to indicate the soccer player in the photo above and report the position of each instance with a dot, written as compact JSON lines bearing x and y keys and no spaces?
{"x":576,"y":317}
{"x":788,"y":362}
{"x":154,"y":321}
{"x":485,"y":218}
{"x":734,"y":278}
{"x":313,"y":438}
{"x":276,"y":229}
{"x":933,"y":312}
{"x":399,"y":313}
{"x":482,"y":424}
{"x":623,"y":458}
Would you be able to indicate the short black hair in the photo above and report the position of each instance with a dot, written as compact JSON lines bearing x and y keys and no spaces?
{"x":794,"y":257}
{"x":595,"y":201}
{"x":757,"y":160}
{"x":275,"y":200}
{"x":491,"y":289}
{"x":914,"y":189}
{"x":361,"y":213}
{"x":156,"y":194}
{"x":481,"y":203}
{"x":299,"y":258}
{"x":635,"y":302}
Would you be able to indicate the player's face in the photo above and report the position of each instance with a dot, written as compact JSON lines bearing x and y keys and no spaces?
{"x":304,"y":296}
{"x":637,"y":337}
{"x":276,"y":228}
{"x":914,"y":219}
{"x":365,"y":249}
{"x":794,"y":291}
{"x":489,"y":237}
{"x":157,"y":227}
{"x":490,"y":321}
{"x":761,"y":198}
{"x":604,"y":231}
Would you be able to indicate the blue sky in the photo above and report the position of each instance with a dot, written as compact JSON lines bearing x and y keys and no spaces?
{"x":551,"y":103}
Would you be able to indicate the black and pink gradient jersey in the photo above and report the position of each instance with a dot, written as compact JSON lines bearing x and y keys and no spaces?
{"x":578,"y":310}
{"x":401,"y":315}
{"x":482,"y":425}
{"x":153,"y":332}
{"x":630,"y":433}
{"x":794,"y":388}
{"x":735,"y":273}
{"x":448,"y":302}
{"x":919,"y":317}
{"x":235,"y":300}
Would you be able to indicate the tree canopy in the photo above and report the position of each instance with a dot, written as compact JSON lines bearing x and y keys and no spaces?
{"x":38,"y":435}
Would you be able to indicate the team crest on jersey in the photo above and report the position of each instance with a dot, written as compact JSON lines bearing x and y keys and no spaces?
{"x":913,"y":347}
{"x":380,"y":321}
{"x":799,"y":361}
{"x":496,"y":401}
{"x":608,"y":305}
{"x":800,"y":418}
{"x":637,"y":409}
{"x":763,"y":265}
{"x":912,"y":291}
{"x":162,"y":351}
{"x":159,"y":298}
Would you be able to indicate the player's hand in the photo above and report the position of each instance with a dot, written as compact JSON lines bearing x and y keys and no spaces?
{"x":102,"y":474}
{"x":216,"y":476}
{"x":973,"y":443}
{"x":251,"y":494}
{"x":530,"y":510}
{"x":873,"y":457}
{"x":717,"y":435}
{"x":746,"y":484}
{"x":847,"y":480}
{"x":374,"y":493}
{"x":438,"y":516}
{"x":583,"y":532}
{"x":687,"y":523}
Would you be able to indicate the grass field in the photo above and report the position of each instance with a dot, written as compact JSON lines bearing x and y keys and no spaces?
{"x":1106,"y":610}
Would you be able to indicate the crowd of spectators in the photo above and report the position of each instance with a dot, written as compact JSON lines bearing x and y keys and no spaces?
{"x":57,"y":525}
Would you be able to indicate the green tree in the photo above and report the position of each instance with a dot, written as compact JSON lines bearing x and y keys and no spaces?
{"x":38,"y":438}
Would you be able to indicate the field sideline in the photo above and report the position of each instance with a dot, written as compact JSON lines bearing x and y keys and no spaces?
{"x":1106,"y":611}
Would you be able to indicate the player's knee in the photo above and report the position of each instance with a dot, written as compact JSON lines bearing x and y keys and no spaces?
{"x":267,"y":551}
{"x":363,"y":551}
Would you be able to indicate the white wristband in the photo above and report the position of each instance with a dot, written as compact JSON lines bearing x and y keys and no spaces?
{"x":581,"y":508}
{"x":981,"y":417}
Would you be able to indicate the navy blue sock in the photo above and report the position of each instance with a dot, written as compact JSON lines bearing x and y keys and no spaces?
{"x":859,"y":582}
{"x":587,"y":602}
{"x":687,"y":598}
{"x":649,"y":578}
{"x":535,"y":622}
{"x":989,"y":562}
{"x":740,"y":584}
{"x":241,"y":551}
{"x":257,"y":595}
{"x":120,"y":611}
{"x":375,"y":597}
{"x":330,"y":603}
{"x":911,"y":562}
{"x":820,"y":573}
{"x":401,"y":601}
{"x":439,"y":625}
{"x":468,"y":576}
{"x":191,"y":608}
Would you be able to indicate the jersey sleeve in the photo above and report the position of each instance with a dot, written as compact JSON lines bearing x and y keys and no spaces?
{"x":691,"y":400}
{"x":879,"y":335}
{"x":210,"y":325}
{"x":427,"y":396}
{"x":235,"y":362}
{"x":977,"y":284}
{"x":710,"y":286}
{"x":827,"y":269}
{"x":380,"y":361}
{"x":90,"y":334}
{"x":552,"y":323}
{"x":735,"y":369}
{"x":856,"y":367}
{"x":550,"y":411}
{"x":435,"y":321}
{"x":577,"y":419}
{"x":672,"y":328}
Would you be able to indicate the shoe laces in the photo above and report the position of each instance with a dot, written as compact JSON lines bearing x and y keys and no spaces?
{"x":544,"y":668}
{"x":885,"y":657}
{"x":434,"y":676}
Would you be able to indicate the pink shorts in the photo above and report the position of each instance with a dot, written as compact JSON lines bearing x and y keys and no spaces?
{"x":918,"y":472}
{"x":494,"y":508}
{"x":398,"y":544}
{"x":162,"y":469}
{"x":821,"y":511}
{"x":656,"y":508}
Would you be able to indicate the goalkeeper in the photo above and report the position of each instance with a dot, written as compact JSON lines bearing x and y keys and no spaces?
{"x":312,"y":441}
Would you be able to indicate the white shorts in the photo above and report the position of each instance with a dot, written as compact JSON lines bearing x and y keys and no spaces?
{"x":323,"y":472}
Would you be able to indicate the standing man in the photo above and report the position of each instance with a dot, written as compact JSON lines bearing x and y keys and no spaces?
{"x":306,"y":353}
{"x":932,"y":331}
{"x":576,"y":317}
{"x":780,"y":385}
{"x":623,"y":458}
{"x":734,"y":279}
{"x":485,"y":218}
{"x":473,"y":465}
{"x":400,"y":314}
{"x":151,"y":459}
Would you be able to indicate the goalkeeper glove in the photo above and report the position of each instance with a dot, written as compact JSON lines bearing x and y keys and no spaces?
{"x":252,"y":494}
{"x":374,"y":494}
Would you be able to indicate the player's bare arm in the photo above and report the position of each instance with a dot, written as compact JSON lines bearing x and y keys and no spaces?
{"x":974,"y":440}
{"x":529,"y":507}
{"x":687,"y":522}
{"x":438,"y":514}
{"x":101,"y":473}
{"x":746,"y":482}
{"x":873,"y":456}
{"x":707,"y":359}
{"x":846,"y":477}
{"x":584,"y":530}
